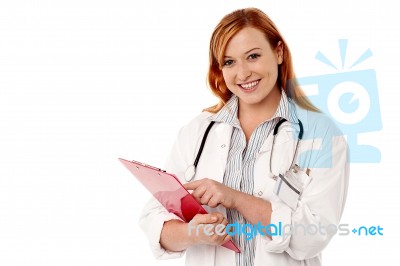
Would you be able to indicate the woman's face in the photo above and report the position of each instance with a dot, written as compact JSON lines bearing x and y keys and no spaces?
{"x":250,"y":67}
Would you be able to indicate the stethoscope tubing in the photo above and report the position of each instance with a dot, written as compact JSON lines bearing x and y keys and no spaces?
{"x":191,"y":170}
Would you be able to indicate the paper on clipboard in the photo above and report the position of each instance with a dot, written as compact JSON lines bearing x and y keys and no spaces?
{"x":169,"y":191}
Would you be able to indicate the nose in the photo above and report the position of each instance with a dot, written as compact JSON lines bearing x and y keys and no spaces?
{"x":244,"y":72}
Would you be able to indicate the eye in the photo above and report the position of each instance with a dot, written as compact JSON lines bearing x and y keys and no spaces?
{"x":254,"y":56}
{"x":228,"y":62}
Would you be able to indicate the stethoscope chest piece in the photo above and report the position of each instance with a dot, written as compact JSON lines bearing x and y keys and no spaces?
{"x":190,"y":172}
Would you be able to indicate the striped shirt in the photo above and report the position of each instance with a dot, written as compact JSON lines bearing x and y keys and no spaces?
{"x":239,"y":173}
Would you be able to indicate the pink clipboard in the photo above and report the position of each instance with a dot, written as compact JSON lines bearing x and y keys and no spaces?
{"x":168,"y":190}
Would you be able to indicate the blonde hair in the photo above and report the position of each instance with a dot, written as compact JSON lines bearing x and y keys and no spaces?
{"x":223,"y":33}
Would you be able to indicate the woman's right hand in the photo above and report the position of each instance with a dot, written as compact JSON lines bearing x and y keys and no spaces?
{"x":208,"y":229}
{"x":177,"y":235}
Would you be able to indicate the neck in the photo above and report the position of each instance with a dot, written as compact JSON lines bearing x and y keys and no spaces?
{"x":262,"y":111}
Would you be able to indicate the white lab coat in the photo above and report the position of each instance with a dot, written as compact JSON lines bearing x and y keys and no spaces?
{"x":321,"y":204}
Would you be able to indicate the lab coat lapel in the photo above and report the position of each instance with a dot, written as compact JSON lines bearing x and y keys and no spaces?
{"x":291,"y":133}
{"x":283,"y":152}
{"x":223,"y":139}
{"x":281,"y":138}
{"x":212,"y":163}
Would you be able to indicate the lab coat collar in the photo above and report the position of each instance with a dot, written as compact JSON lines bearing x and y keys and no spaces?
{"x":290,"y":129}
{"x":224,"y":130}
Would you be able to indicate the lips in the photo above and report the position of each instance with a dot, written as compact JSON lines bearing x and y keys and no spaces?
{"x":250,"y":85}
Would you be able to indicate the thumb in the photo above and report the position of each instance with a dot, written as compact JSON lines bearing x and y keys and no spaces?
{"x":206,"y":218}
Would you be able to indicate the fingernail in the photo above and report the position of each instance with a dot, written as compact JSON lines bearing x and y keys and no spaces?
{"x":214,"y":218}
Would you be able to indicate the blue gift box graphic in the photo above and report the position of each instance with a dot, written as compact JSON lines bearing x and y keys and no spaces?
{"x":351,"y":99}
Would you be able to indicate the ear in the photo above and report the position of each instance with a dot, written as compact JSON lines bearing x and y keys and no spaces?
{"x":279,"y":52}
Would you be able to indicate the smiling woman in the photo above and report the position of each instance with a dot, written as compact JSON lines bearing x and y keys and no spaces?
{"x":250,"y":63}
{"x":229,"y":27}
{"x":237,"y":179}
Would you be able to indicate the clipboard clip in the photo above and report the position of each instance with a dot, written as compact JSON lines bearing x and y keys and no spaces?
{"x":149,"y":166}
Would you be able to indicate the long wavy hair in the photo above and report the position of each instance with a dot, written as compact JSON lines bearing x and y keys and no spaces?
{"x":223,"y":33}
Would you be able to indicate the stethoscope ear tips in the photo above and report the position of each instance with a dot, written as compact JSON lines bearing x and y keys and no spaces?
{"x":190,"y":172}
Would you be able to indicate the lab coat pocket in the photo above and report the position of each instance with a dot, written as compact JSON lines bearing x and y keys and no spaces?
{"x":289,"y":186}
{"x":303,"y":177}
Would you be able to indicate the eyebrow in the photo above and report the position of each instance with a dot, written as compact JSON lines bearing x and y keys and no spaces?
{"x":226,"y":56}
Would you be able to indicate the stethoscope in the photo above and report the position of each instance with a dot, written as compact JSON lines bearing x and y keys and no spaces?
{"x":191,"y":170}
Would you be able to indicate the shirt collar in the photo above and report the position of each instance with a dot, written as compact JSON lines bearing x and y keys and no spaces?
{"x":228,"y":113}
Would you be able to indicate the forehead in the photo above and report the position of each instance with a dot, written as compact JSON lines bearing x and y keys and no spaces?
{"x":245,"y":40}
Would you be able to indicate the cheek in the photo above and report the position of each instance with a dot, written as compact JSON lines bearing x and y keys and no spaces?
{"x":227,"y":75}
{"x":271,"y":71}
{"x":267,"y":66}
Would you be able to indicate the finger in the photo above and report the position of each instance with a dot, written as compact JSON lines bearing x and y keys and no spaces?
{"x":215,"y":201}
{"x":220,"y":239}
{"x":224,"y":221}
{"x":220,"y":217}
{"x":193,"y":185}
{"x":205,"y":198}
{"x":221,"y":228}
{"x":206,"y":218}
{"x":225,"y":239}
{"x":199,"y":192}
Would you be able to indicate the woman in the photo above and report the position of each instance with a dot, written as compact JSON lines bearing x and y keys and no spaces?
{"x":236,"y":178}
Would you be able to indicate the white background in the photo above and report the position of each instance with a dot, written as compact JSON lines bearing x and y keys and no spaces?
{"x":85,"y":82}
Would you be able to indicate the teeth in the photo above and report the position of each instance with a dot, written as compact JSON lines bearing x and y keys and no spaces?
{"x":249,"y":85}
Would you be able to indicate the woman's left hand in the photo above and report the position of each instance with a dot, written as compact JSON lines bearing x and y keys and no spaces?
{"x":212,"y":193}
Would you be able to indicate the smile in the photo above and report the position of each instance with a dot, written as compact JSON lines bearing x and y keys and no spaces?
{"x":250,"y":85}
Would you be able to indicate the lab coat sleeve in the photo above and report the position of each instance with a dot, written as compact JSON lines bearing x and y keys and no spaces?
{"x":320,"y":207}
{"x":154,"y":215}
{"x":151,"y":221}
